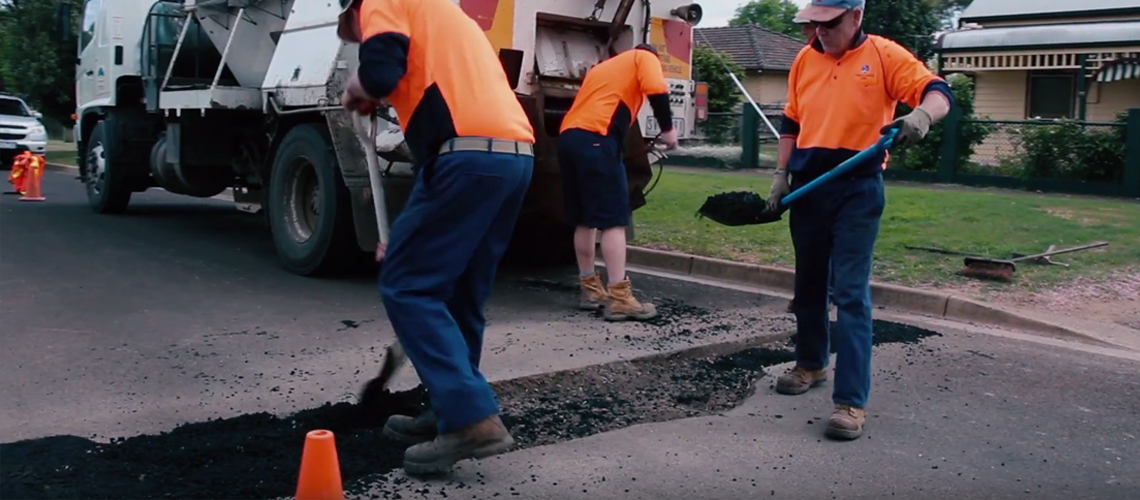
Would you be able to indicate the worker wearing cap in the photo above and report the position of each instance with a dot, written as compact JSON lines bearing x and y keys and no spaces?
{"x":842,"y":91}
{"x":595,"y":190}
{"x":473,"y":148}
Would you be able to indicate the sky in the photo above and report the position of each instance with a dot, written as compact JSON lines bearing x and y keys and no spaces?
{"x":718,"y":12}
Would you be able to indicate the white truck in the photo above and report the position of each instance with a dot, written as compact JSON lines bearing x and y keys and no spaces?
{"x":201,"y":97}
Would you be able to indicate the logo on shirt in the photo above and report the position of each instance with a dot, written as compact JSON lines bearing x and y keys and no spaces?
{"x":866,"y":76}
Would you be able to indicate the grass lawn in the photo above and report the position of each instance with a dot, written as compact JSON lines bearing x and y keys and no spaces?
{"x":989,"y":222}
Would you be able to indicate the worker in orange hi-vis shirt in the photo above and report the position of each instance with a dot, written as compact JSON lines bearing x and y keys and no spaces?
{"x":843,"y":90}
{"x":594,"y":185}
{"x":473,"y":146}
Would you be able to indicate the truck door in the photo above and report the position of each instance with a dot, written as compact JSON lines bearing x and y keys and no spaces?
{"x":91,"y":74}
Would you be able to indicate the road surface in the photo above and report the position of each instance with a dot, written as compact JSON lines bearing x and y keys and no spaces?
{"x":176,"y":314}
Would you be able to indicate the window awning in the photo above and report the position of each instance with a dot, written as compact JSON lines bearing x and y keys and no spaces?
{"x":1050,"y":36}
{"x":1119,"y":70}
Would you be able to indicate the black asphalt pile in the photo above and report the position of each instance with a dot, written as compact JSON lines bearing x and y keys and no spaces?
{"x":250,"y":456}
{"x":737,"y":208}
{"x":257,"y":456}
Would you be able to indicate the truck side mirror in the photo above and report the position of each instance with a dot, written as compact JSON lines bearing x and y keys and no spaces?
{"x":62,"y":28}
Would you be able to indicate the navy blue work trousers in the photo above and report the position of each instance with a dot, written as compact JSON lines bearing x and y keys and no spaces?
{"x":443,"y":252}
{"x":833,"y":230}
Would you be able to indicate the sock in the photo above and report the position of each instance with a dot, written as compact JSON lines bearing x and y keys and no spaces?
{"x":585,"y":274}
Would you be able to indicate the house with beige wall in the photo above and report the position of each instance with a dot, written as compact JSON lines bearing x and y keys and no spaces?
{"x":1046,"y":59}
{"x":765,"y":55}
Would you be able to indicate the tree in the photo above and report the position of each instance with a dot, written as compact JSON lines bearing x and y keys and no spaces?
{"x":775,"y":15}
{"x":33,"y":64}
{"x":709,"y":67}
{"x":911,"y":23}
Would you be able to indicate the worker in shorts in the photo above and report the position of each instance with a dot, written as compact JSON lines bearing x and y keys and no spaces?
{"x":473,"y":148}
{"x":843,"y":89}
{"x":595,"y":188}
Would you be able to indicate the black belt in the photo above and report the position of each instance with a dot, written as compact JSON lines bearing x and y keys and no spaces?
{"x":487,"y":144}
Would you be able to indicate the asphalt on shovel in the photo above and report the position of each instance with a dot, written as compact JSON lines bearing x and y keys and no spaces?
{"x":746,"y":208}
{"x":394,"y":355}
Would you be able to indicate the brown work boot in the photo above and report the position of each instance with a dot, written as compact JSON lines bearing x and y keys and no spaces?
{"x":593,"y":293}
{"x":411,"y":430}
{"x":799,"y":379}
{"x":480,"y":440}
{"x":846,"y":422}
{"x":622,"y":306}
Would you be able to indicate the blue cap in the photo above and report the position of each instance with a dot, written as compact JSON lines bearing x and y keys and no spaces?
{"x":822,"y":11}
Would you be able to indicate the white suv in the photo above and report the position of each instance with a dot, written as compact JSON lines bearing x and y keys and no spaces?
{"x":20,"y":130}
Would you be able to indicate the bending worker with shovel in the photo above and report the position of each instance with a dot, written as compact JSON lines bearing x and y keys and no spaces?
{"x":473,"y":148}
{"x":842,"y":91}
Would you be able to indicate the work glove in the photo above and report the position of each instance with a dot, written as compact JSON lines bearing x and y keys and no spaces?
{"x":780,"y":188}
{"x":912,"y":127}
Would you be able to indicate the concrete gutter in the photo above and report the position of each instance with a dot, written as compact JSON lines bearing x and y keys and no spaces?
{"x":885,"y":296}
{"x":59,"y":167}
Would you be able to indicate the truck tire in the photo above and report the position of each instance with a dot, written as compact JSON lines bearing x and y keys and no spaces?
{"x":309,"y":209}
{"x":107,"y":188}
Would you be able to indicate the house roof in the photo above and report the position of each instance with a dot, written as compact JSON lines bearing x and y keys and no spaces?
{"x":1014,"y":9}
{"x":753,"y":47}
{"x":1123,"y":33}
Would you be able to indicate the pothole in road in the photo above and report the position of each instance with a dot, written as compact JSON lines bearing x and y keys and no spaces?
{"x":256,"y":456}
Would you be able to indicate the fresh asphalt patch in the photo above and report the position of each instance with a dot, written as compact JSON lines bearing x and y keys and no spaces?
{"x":257,"y":456}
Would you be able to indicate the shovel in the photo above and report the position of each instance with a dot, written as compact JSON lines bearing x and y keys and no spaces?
{"x":394,"y":355}
{"x":743,"y":208}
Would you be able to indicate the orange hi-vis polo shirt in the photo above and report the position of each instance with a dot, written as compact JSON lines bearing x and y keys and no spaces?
{"x":836,"y":107}
{"x":613,"y":91}
{"x":439,"y":70}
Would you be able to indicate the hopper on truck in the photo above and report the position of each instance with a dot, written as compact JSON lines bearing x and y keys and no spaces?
{"x":205,"y":97}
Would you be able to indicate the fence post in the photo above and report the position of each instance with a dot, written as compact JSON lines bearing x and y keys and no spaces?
{"x":949,"y":153}
{"x":1132,"y":154}
{"x":750,"y":138}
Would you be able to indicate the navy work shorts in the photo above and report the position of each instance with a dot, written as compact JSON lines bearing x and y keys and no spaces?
{"x":595,"y":190}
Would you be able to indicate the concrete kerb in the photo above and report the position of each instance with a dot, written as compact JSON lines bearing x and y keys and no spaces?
{"x":895,"y":297}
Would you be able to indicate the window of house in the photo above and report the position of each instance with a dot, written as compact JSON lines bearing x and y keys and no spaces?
{"x":1051,"y":95}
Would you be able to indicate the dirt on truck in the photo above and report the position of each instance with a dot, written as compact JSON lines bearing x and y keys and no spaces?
{"x":198,"y":97}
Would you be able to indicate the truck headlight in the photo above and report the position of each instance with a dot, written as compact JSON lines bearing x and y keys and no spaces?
{"x":37,"y":130}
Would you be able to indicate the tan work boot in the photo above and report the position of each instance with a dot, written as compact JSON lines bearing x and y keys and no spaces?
{"x":622,"y":306}
{"x":799,"y":379}
{"x":846,"y":422}
{"x":411,"y":430}
{"x":593,"y":293}
{"x":480,"y":440}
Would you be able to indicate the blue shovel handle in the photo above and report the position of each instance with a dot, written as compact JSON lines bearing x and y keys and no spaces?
{"x":881,"y":145}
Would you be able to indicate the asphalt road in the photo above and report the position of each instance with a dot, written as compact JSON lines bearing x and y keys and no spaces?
{"x":177,"y":312}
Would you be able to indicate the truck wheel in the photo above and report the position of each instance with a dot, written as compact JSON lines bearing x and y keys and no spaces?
{"x":107,"y":189}
{"x":309,"y":209}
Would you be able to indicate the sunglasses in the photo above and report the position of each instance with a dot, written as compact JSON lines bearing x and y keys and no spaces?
{"x":832,"y":24}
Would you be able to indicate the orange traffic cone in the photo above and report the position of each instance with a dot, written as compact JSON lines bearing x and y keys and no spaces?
{"x":34,"y":173}
{"x":320,"y":468}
